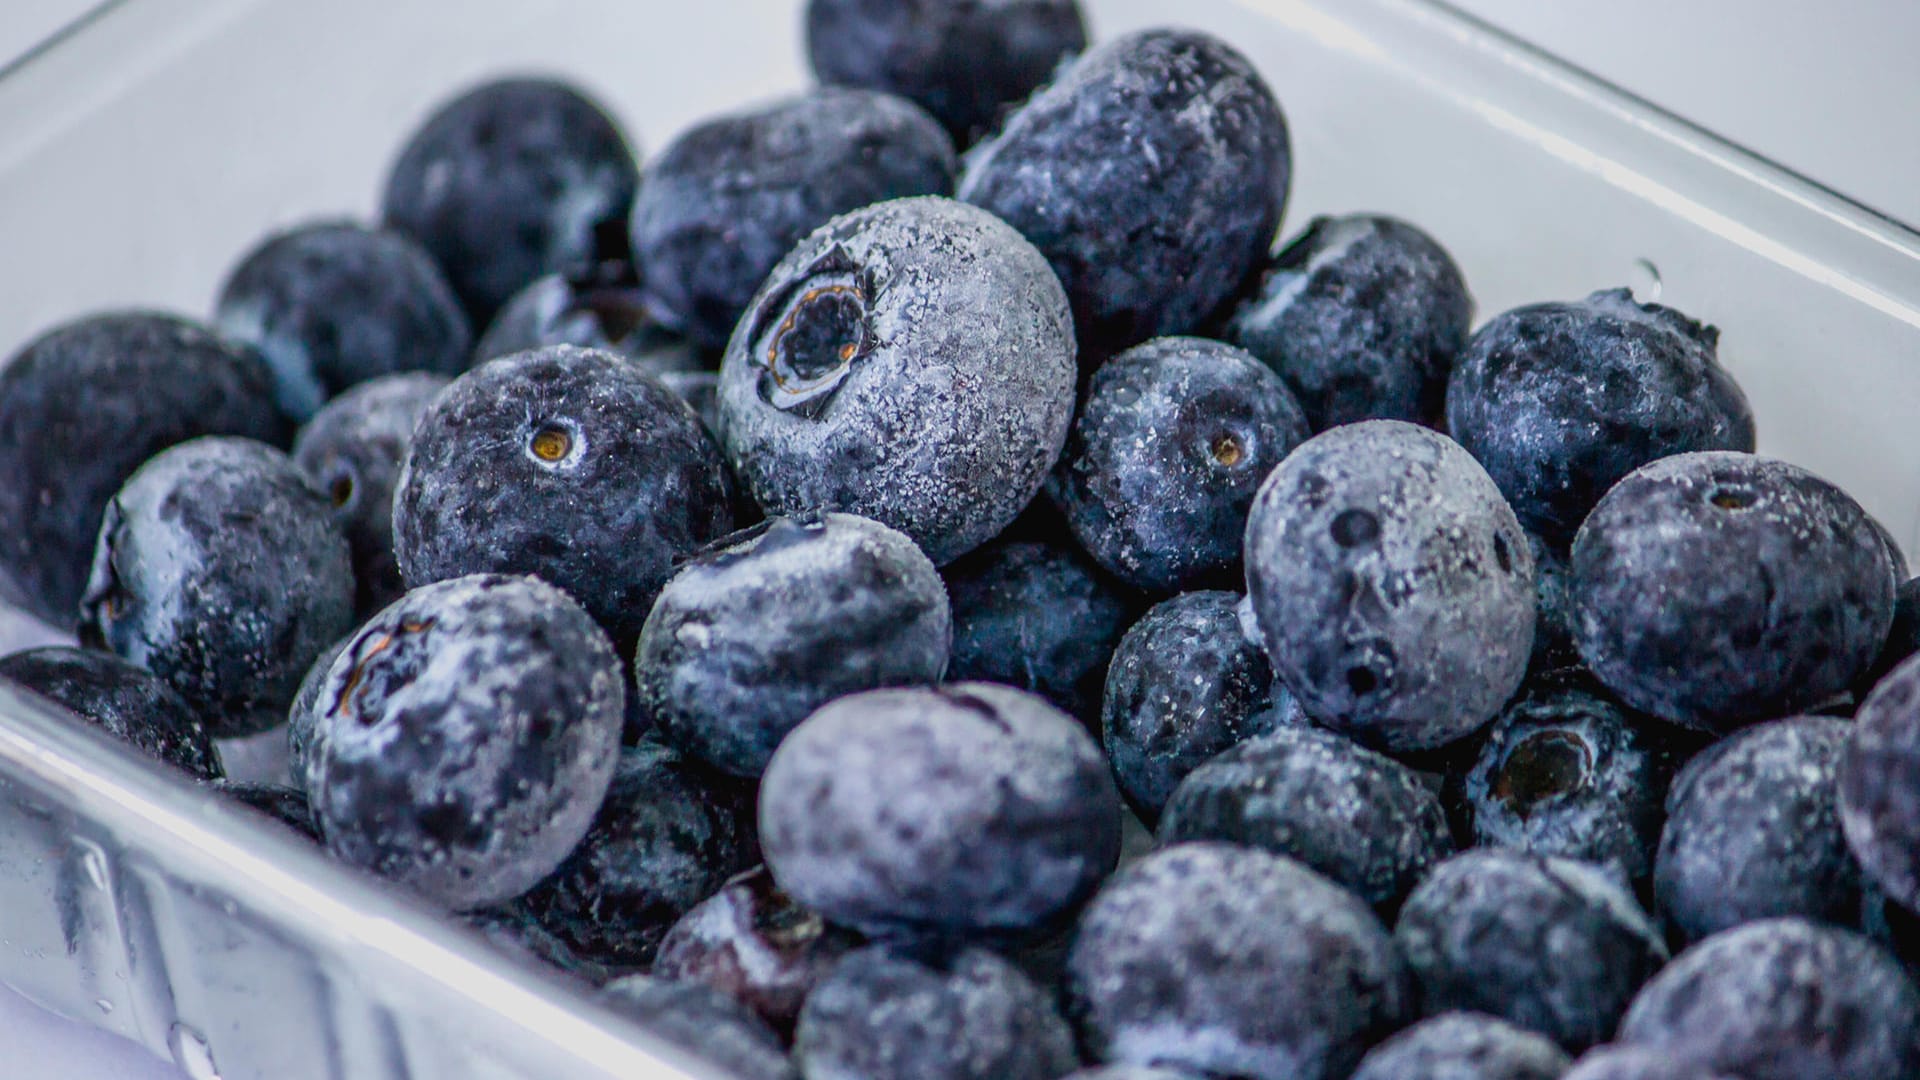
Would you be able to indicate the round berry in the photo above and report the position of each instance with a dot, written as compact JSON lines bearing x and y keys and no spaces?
{"x":119,"y":699}
{"x":1464,"y":1046}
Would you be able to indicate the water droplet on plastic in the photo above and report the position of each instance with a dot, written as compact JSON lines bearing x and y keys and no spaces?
{"x":103,"y":1005}
{"x":191,"y":1053}
{"x":1644,"y":280}
{"x":94,"y":862}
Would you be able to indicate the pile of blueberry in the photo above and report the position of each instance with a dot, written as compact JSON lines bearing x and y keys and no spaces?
{"x":909,"y":585}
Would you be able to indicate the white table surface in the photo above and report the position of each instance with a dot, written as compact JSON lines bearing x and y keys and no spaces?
{"x":1824,"y":89}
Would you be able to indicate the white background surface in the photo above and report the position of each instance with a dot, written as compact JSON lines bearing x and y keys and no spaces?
{"x":1824,"y":89}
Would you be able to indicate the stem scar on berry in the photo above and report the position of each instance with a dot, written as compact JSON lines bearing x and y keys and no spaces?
{"x":1543,"y":765}
{"x":808,"y":336}
{"x":363,"y":653}
{"x":552,"y":443}
{"x":340,"y":490}
{"x":1227,"y":450}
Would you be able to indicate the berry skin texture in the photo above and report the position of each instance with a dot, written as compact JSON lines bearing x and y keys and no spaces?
{"x":1464,"y":1046}
{"x":466,"y":737}
{"x":1156,"y":247}
{"x":509,"y":181}
{"x":334,"y":304}
{"x":959,"y":810}
{"x":752,"y":942}
{"x":219,"y":570}
{"x":1362,"y":316}
{"x":351,"y":450}
{"x":726,"y":200}
{"x":119,"y":699}
{"x":1039,"y":616}
{"x":1549,"y":944}
{"x":1567,"y":771}
{"x":1227,"y":960}
{"x":1163,"y":461}
{"x":766,"y":626}
{"x":1185,"y":684}
{"x":1131,"y":1072}
{"x":1753,"y":832}
{"x":1716,"y":589}
{"x":965,"y":62}
{"x":1392,"y":585}
{"x":1877,"y":778}
{"x":885,"y":1014}
{"x":1783,"y":999}
{"x":603,"y":310}
{"x":84,"y":405}
{"x":667,"y":836}
{"x":286,"y":805}
{"x":1903,"y":637}
{"x":911,"y":362}
{"x":1363,"y":819}
{"x":703,"y":1022}
{"x":1561,"y":401}
{"x":564,"y":462}
{"x":303,"y":716}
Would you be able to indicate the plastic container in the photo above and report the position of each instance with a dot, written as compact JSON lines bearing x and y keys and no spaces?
{"x":143,"y":153}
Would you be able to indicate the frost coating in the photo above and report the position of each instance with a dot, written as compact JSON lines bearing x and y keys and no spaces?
{"x":1753,"y":832}
{"x":890,"y":1015}
{"x":1715,"y":589}
{"x":1878,"y":773}
{"x":1362,"y":819}
{"x":1783,"y":999}
{"x":958,"y":810}
{"x":219,"y":570}
{"x":703,"y":1022}
{"x":1231,"y":961}
{"x":1153,"y":247}
{"x":1362,"y":317}
{"x":1550,"y":944}
{"x":954,"y":401}
{"x":466,"y":737}
{"x":1392,"y":585}
{"x":762,"y":629}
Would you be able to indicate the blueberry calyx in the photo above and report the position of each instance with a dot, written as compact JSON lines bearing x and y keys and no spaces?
{"x":1542,"y":766}
{"x":809,"y":335}
{"x":555,"y":443}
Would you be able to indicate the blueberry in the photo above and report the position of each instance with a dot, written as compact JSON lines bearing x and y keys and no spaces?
{"x":119,"y":699}
{"x":668,"y":836}
{"x":1185,"y":684}
{"x":963,"y":62}
{"x":1877,"y":777}
{"x":1716,"y":589}
{"x":1567,"y":771}
{"x":884,"y":1014}
{"x":725,"y":201}
{"x":510,"y":930}
{"x":1163,"y":461}
{"x":1639,"y":1063}
{"x":286,"y":805}
{"x":1362,"y":316}
{"x":1464,"y":1046}
{"x":1783,"y":999}
{"x":911,"y":362}
{"x":1753,"y":832}
{"x":351,"y":449}
{"x":466,"y":738}
{"x":81,"y":407}
{"x":303,"y":716}
{"x":766,"y":626}
{"x":1560,"y":401}
{"x":1131,"y":1072}
{"x":1363,"y":819}
{"x":1155,"y":246}
{"x":1392,"y":584}
{"x":1903,"y":637}
{"x":333,"y":304}
{"x":964,"y":809}
{"x":1550,"y":944}
{"x":1227,"y":960}
{"x":602,"y":311}
{"x":1037,"y":616}
{"x":221,"y":571}
{"x":564,"y":462}
{"x":756,"y":944}
{"x":512,"y":180}
{"x":702,"y":1022}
